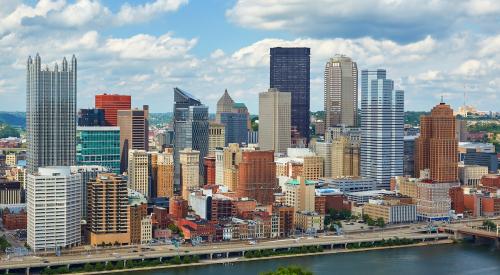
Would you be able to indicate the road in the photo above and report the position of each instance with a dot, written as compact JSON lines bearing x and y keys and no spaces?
{"x":169,"y":250}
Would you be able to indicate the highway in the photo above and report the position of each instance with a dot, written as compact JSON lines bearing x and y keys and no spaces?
{"x":211,"y":248}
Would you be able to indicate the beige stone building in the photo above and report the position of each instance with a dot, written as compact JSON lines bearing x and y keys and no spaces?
{"x":190,"y":171}
{"x":138,"y":171}
{"x":274,"y":120}
{"x":308,"y":221}
{"x":216,"y":137}
{"x":299,"y":193}
{"x":312,"y":168}
{"x":470,"y":175}
{"x":11,"y":160}
{"x":146,"y":230}
{"x":324,"y":150}
{"x":345,"y":157}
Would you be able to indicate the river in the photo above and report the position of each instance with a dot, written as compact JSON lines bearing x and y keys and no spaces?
{"x":439,"y":259}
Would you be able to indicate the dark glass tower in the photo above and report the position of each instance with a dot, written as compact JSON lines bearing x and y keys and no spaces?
{"x":190,"y":129}
{"x":290,"y":72}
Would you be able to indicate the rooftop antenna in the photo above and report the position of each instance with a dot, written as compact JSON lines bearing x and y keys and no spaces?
{"x":442,"y":101}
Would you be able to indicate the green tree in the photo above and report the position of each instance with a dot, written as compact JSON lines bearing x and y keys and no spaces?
{"x":88,"y":267}
{"x":8,"y":131}
{"x":489,"y":225}
{"x":380,"y":222}
{"x":288,"y":270}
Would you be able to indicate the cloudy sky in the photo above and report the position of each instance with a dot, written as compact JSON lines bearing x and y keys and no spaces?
{"x":431,"y":48}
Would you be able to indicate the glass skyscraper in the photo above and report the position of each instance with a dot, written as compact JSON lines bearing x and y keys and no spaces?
{"x":50,"y":114}
{"x":382,"y":127}
{"x":190,"y":129}
{"x":236,"y":127}
{"x":290,"y":72}
{"x":99,"y":146}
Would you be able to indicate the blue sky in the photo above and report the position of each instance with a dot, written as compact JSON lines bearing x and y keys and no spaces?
{"x":145,"y":48}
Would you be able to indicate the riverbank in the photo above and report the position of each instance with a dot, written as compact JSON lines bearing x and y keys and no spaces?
{"x":243,"y":259}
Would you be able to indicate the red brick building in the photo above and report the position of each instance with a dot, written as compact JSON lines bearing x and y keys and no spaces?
{"x":222,"y":208}
{"x":257,"y":176}
{"x":161,"y":217}
{"x":13,"y":221}
{"x":209,"y":163}
{"x":111,"y":104}
{"x":197,"y":228}
{"x":286,"y":219}
{"x":178,"y":208}
{"x":320,"y":204}
{"x":457,"y":199}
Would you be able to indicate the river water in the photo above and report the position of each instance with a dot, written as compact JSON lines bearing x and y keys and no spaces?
{"x":439,"y":259}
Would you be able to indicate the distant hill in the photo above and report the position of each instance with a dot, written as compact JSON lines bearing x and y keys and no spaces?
{"x":14,"y":119}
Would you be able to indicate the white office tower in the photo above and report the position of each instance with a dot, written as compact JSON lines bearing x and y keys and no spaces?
{"x":382,"y":128}
{"x":50,"y":114}
{"x":53,"y":202}
{"x":275,"y":120}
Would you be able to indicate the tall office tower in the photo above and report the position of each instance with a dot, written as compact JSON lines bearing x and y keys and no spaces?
{"x":98,"y":146}
{"x":275,"y":120}
{"x":345,"y":157}
{"x":341,"y":92}
{"x":50,"y":114}
{"x":231,"y":159}
{"x":88,"y":173}
{"x":224,"y":105}
{"x":382,"y":124}
{"x":191,"y":129}
{"x":216,"y":137}
{"x":219,"y":166}
{"x":111,"y":104}
{"x":91,"y":117}
{"x":436,"y":148}
{"x":153,"y":173}
{"x":209,"y":163}
{"x":235,"y":127}
{"x":138,"y":171}
{"x":324,"y":150}
{"x":134,"y":132}
{"x":51,"y":227}
{"x":165,"y":174}
{"x":257,"y":176}
{"x":190,"y":175}
{"x":290,"y":72}
{"x":409,"y":156}
{"x":107,"y":210}
{"x":241,"y":108}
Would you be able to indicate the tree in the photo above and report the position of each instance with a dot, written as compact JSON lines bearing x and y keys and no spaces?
{"x":288,"y":270}
{"x":380,"y":222}
{"x":88,"y":267}
{"x":489,"y":225}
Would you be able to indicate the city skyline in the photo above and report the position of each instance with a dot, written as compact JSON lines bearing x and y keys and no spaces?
{"x":160,"y":58}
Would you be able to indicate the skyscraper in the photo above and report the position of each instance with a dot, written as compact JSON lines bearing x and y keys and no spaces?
{"x":91,"y":117}
{"x":191,"y":129}
{"x":224,"y":105}
{"x":216,"y":137}
{"x":54,"y":199}
{"x":50,"y":114}
{"x":290,"y":72}
{"x":111,"y":104}
{"x":341,"y":92}
{"x":235,"y":127}
{"x":189,"y":164}
{"x":257,"y":176}
{"x":138,"y":171}
{"x":98,"y":146}
{"x":436,"y":148}
{"x":165,"y":177}
{"x":345,"y":157}
{"x":107,"y":210}
{"x":134,"y":132}
{"x":382,"y":126}
{"x":274,"y":120}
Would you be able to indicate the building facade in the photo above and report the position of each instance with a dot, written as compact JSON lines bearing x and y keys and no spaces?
{"x":134,"y":132}
{"x":51,"y":227}
{"x":235,"y":127}
{"x":189,"y":164}
{"x":257,"y":176}
{"x":382,"y":125}
{"x":191,"y":129}
{"x":341,"y":92}
{"x":345,"y":157}
{"x":50,"y":114}
{"x":98,"y":146}
{"x":138,"y":172}
{"x":436,"y":147}
{"x":216,"y":137}
{"x":107,"y":202}
{"x":111,"y":103}
{"x":275,"y":120}
{"x":165,"y":174}
{"x":91,"y":117}
{"x":290,"y":72}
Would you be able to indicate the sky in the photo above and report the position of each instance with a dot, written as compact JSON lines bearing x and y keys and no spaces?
{"x":145,"y":48}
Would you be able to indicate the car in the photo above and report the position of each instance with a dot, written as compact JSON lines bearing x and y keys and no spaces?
{"x":46,"y":261}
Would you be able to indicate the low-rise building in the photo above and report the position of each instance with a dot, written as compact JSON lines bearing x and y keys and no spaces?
{"x":309,"y":221}
{"x":470,"y":175}
{"x":146,"y":230}
{"x":348,"y":184}
{"x":391,"y":209}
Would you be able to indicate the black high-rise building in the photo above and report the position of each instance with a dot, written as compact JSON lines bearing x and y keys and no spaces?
{"x":91,"y":117}
{"x":290,"y":72}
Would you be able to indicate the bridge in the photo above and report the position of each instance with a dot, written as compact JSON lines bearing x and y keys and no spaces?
{"x":475,"y":231}
{"x":34,"y":265}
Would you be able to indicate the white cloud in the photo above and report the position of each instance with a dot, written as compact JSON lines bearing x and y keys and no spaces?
{"x":407,"y":20}
{"x":140,"y":13}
